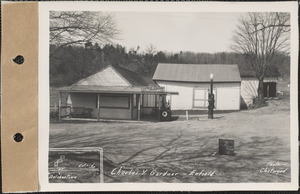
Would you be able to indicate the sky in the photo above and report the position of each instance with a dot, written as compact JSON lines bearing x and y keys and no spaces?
{"x":175,"y":32}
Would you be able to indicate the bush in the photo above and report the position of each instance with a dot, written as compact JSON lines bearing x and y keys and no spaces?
{"x":54,"y":116}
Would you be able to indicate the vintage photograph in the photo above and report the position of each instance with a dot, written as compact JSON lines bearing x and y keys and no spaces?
{"x":169,"y":97}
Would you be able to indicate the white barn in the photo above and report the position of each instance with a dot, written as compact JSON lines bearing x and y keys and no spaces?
{"x":192,"y":82}
{"x":249,"y":87}
{"x":249,"y":84}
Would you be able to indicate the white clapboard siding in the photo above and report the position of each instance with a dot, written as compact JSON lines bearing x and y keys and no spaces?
{"x":227,"y":95}
{"x":249,"y":90}
{"x":249,"y":87}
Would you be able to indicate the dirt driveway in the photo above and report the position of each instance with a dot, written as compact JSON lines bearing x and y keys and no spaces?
{"x":187,"y":151}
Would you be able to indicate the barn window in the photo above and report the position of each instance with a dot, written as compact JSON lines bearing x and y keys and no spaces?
{"x":149,"y":101}
{"x":200,"y":98}
{"x":112,"y":101}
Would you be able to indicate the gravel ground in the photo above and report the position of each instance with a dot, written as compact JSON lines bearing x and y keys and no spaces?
{"x":187,"y":151}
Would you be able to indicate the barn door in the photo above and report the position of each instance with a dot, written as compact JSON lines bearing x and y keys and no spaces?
{"x":270,"y":89}
{"x":201,"y":98}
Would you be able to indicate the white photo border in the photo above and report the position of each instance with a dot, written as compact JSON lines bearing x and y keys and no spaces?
{"x":45,"y":7}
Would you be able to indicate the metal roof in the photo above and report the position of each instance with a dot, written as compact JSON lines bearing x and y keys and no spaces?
{"x":109,"y":89}
{"x":197,"y":72}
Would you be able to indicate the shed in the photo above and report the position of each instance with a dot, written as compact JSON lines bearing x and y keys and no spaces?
{"x":249,"y":84}
{"x":113,"y":93}
{"x":192,"y":82}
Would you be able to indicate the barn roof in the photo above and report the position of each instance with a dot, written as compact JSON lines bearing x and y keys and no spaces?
{"x":197,"y":72}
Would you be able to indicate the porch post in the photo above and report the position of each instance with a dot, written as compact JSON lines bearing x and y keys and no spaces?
{"x":139,"y":108}
{"x":131,"y":106}
{"x":137,"y":105}
{"x":158,"y":110}
{"x":59,"y":106}
{"x":155,"y":101}
{"x":142,"y":102}
{"x":98,"y":106}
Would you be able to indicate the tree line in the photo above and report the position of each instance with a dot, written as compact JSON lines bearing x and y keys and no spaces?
{"x":73,"y":63}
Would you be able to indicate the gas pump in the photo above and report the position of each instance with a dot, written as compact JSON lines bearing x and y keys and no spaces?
{"x":211,"y":104}
{"x":211,"y":99}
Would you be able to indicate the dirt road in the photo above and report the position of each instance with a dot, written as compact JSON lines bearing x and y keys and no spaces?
{"x":187,"y":151}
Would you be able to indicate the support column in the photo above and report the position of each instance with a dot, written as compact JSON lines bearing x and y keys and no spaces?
{"x":98,"y":106}
{"x":211,"y":99}
{"x":142,"y":102}
{"x":155,"y":104}
{"x":132,"y":106}
{"x":158,"y":110}
{"x":139,"y":107}
{"x":59,"y":106}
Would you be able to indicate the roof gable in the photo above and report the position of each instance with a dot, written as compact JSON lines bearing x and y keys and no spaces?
{"x":115,"y":76}
{"x":197,"y":72}
{"x":106,"y":77}
{"x":133,"y":78}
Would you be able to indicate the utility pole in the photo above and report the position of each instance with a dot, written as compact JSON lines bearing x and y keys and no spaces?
{"x":211,"y":99}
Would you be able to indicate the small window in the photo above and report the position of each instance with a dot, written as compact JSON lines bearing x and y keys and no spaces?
{"x":148,"y":100}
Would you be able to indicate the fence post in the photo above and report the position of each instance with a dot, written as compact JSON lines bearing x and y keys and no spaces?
{"x":98,"y":106}
{"x":158,"y":110}
{"x":59,"y":106}
{"x":187,"y":115}
{"x":139,"y":108}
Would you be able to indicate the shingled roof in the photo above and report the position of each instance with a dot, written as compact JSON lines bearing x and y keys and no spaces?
{"x":132,"y":79}
{"x":197,"y":72}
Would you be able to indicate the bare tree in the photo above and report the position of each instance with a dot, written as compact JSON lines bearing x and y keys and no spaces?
{"x":150,"y":49}
{"x":262,"y":38}
{"x":80,"y":27}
